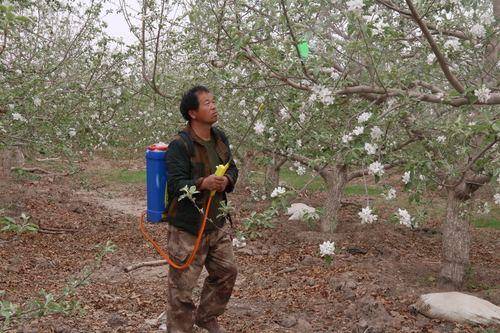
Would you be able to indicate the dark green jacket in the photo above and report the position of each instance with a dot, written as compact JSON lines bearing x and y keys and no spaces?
{"x":189,"y":169}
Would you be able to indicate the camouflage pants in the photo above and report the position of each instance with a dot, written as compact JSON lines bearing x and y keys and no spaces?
{"x":216,"y":254}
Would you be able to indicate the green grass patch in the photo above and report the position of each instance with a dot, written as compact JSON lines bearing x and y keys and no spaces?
{"x":124,"y":176}
{"x":359,"y":189}
{"x":317,"y":184}
{"x":490,"y":220}
{"x":486,"y":222}
{"x":298,"y":182}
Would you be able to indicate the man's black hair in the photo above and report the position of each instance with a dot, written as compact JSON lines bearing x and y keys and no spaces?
{"x":190,"y":100}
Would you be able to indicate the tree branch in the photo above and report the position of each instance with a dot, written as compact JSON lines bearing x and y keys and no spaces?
{"x":295,"y":42}
{"x":473,"y":160}
{"x":362,"y":172}
{"x":440,"y":57}
{"x":454,"y":33}
{"x":272,"y":73}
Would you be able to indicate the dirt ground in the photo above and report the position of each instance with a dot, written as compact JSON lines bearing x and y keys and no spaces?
{"x":283,"y":285}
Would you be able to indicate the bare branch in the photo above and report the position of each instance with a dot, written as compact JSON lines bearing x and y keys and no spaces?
{"x":295,"y":42}
{"x":406,"y":14}
{"x":473,"y":160}
{"x":71,"y":46}
{"x":151,"y":82}
{"x":440,"y":57}
{"x":302,"y":159}
{"x":261,"y":64}
{"x":362,"y":172}
{"x":4,"y":44}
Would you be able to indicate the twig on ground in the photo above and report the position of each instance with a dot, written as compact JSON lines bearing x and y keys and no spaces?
{"x":145,"y":264}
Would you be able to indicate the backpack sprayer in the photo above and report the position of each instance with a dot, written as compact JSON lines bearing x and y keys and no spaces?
{"x":156,"y":181}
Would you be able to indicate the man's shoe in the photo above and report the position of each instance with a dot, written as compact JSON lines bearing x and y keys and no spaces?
{"x":212,"y":326}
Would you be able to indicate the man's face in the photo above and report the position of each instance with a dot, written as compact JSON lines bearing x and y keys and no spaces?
{"x":207,"y":111}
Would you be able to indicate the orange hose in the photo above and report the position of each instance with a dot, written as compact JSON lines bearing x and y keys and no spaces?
{"x":164,"y":254}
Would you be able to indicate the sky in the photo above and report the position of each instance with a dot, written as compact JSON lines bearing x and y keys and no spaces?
{"x":117,"y":26}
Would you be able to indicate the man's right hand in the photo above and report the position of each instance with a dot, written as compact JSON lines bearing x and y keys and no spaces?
{"x":212,"y":183}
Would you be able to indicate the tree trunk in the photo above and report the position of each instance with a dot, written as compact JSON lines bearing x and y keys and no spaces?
{"x":245,"y":168}
{"x":336,"y":180}
{"x":272,"y":179}
{"x":456,"y":241}
{"x":10,"y":157}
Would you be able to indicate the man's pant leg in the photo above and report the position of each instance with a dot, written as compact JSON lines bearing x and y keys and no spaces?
{"x":180,"y":310}
{"x":222,"y":272}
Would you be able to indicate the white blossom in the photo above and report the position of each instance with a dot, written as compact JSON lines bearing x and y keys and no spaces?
{"x":259,"y":127}
{"x":478,"y":30}
{"x":301,"y":170}
{"x":452,"y":44}
{"x":212,"y":55}
{"x":404,"y":217}
{"x":72,"y":132}
{"x":366,"y":215}
{"x":278,"y":191}
{"x":302,"y":117}
{"x":376,"y":168}
{"x":380,"y":25}
{"x":323,"y":94}
{"x":483,"y":94}
{"x":239,"y":242}
{"x":391,"y":194}
{"x":485,"y":209}
{"x":371,"y":148}
{"x":376,"y":133}
{"x":358,"y":130}
{"x":260,"y":99}
{"x":364,"y":117}
{"x":487,"y":18}
{"x":346,"y":138}
{"x":299,"y":143}
{"x":355,"y":5}
{"x":441,"y":139}
{"x":406,"y":177}
{"x":430,"y":58}
{"x":497,"y":198}
{"x":18,"y":116}
{"x":284,"y":114}
{"x":37,"y":101}
{"x":242,"y":103}
{"x":327,"y":248}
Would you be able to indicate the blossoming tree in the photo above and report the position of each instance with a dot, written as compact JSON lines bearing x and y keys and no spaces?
{"x":381,"y":80}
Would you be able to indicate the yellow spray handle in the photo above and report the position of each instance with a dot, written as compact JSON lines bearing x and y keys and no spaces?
{"x":220,"y":171}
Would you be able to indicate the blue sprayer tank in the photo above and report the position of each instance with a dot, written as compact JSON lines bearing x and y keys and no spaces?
{"x":156,"y":181}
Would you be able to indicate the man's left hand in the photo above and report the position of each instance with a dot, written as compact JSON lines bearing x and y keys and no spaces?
{"x":223,"y":185}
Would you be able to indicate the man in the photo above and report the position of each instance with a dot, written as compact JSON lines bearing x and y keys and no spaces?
{"x":191,"y":160}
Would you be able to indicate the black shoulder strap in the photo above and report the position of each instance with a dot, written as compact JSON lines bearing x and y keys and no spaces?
{"x":219,"y":133}
{"x":188,"y":142}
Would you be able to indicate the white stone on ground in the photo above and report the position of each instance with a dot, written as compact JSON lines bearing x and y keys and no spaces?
{"x":458,"y":307}
{"x":297,"y":211}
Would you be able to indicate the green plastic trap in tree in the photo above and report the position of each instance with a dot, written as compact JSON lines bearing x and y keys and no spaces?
{"x":303,"y":48}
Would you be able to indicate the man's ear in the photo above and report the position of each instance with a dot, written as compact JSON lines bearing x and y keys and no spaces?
{"x":192,"y":114}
